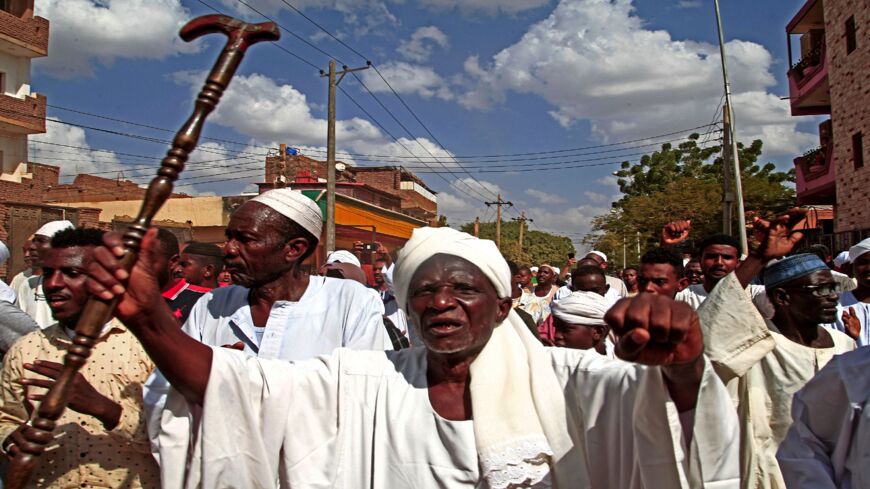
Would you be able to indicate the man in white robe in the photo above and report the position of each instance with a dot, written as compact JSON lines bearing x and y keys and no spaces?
{"x":764,"y":363}
{"x":827,"y":445}
{"x":274,"y":310}
{"x":542,"y":417}
{"x":854,"y":308}
{"x":6,"y":292}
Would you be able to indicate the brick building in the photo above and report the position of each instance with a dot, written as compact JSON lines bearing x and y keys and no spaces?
{"x":829,"y":59}
{"x":416,"y":199}
{"x":22,"y":38}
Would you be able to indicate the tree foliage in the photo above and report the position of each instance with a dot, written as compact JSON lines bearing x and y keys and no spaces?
{"x":684,"y":182}
{"x":538,"y":246}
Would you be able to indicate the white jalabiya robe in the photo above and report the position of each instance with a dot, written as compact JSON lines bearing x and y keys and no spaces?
{"x":363,"y":420}
{"x":762,"y":370}
{"x":828,"y":446}
{"x":332,"y":313}
{"x":31,"y":299}
{"x":862,"y":312}
{"x":696,"y":294}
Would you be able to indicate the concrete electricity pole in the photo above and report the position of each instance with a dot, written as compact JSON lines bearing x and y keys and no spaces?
{"x":738,"y":184}
{"x":477,"y":227}
{"x":498,"y":203}
{"x":522,"y":220}
{"x":727,"y":193}
{"x":330,"y":149}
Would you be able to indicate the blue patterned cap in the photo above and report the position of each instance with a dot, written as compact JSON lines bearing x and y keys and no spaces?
{"x":792,"y":268}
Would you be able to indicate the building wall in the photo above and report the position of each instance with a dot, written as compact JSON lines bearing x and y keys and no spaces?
{"x":850,"y":106}
{"x":16,"y":74}
{"x":13,"y":148}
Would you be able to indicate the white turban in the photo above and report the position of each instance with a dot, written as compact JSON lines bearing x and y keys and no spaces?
{"x":533,"y":269}
{"x":556,"y":270}
{"x":586,"y":308}
{"x":858,"y":250}
{"x":599,"y":254}
{"x":519,"y":406}
{"x":4,"y":253}
{"x":343,"y":256}
{"x":841,"y":259}
{"x":50,"y":228}
{"x":295,"y":206}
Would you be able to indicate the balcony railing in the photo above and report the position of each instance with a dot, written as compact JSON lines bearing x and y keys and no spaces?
{"x":816,"y":176}
{"x":22,"y":115}
{"x":23,"y":36}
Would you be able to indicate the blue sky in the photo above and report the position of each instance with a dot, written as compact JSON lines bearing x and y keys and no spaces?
{"x":486,"y":77}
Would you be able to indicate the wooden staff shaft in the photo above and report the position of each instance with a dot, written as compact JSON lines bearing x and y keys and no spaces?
{"x":97,"y":312}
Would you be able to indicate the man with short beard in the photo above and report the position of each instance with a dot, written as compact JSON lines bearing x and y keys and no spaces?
{"x":31,"y":297}
{"x":100,"y":440}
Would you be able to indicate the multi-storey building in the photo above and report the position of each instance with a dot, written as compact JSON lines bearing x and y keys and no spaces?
{"x":22,"y":38}
{"x":829,"y":75}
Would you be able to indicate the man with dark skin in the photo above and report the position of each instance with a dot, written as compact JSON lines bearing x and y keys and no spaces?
{"x":765,"y":361}
{"x":694,"y":274}
{"x":201,"y":263}
{"x":661,"y":272}
{"x":854,"y":316}
{"x":538,"y":303}
{"x":114,"y":451}
{"x":629,"y":277}
{"x":31,"y":297}
{"x":456,"y":307}
{"x":589,"y":279}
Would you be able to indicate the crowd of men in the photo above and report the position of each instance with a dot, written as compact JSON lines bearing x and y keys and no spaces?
{"x":446,"y":366}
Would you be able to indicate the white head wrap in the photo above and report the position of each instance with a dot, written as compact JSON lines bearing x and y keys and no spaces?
{"x":586,"y":308}
{"x":841,"y":259}
{"x":4,"y":253}
{"x":294,"y":206}
{"x":858,"y":250}
{"x":519,"y":425}
{"x":556,"y":270}
{"x":533,"y":269}
{"x":343,"y":256}
{"x":599,"y":254}
{"x":50,"y":228}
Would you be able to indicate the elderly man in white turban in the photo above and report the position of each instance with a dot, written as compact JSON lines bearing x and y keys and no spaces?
{"x":31,"y":299}
{"x":274,"y":310}
{"x":481,"y":404}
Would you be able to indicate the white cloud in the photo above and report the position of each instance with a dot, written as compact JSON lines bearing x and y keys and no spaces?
{"x":364,"y":15}
{"x":490,"y":7}
{"x":462,"y":203}
{"x":67,"y":147}
{"x":85,"y":31}
{"x":419,"y":47}
{"x":596,"y":198}
{"x":574,"y":221}
{"x":595,"y":60}
{"x":408,"y":78}
{"x":545,"y":197}
{"x":689,"y":4}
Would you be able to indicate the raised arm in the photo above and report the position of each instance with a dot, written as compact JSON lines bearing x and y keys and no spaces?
{"x":656,"y":330}
{"x":185,"y":362}
{"x":776,"y":239}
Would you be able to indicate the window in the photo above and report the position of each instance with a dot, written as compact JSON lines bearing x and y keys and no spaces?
{"x":851,"y":41}
{"x":857,"y":150}
{"x":2,"y":83}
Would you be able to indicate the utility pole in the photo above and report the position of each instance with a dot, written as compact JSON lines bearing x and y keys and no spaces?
{"x":330,"y":149}
{"x":738,"y":184}
{"x":498,"y":203}
{"x":477,"y":227}
{"x":281,"y":178}
{"x":727,"y":193}
{"x":522,"y":220}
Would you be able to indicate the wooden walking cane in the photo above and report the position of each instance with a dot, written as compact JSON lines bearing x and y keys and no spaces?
{"x":98,"y":312}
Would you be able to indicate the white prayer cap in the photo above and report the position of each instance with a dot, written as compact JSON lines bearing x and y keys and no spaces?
{"x":4,"y":253}
{"x":50,"y":228}
{"x":599,"y":254}
{"x":841,"y":259}
{"x":587,"y":308}
{"x":343,"y":256}
{"x":858,"y":250}
{"x":533,"y":269}
{"x":556,"y":270}
{"x":295,"y":206}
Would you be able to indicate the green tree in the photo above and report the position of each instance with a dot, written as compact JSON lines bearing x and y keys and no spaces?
{"x":684,"y":183}
{"x":538,"y":246}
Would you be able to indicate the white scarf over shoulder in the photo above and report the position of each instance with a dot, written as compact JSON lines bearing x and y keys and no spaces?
{"x":518,"y":404}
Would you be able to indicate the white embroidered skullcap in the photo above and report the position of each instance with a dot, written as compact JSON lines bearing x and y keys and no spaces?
{"x":295,"y":206}
{"x":556,"y":270}
{"x":599,"y":254}
{"x":858,"y":250}
{"x":50,"y":228}
{"x":343,"y":256}
{"x":4,"y":253}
